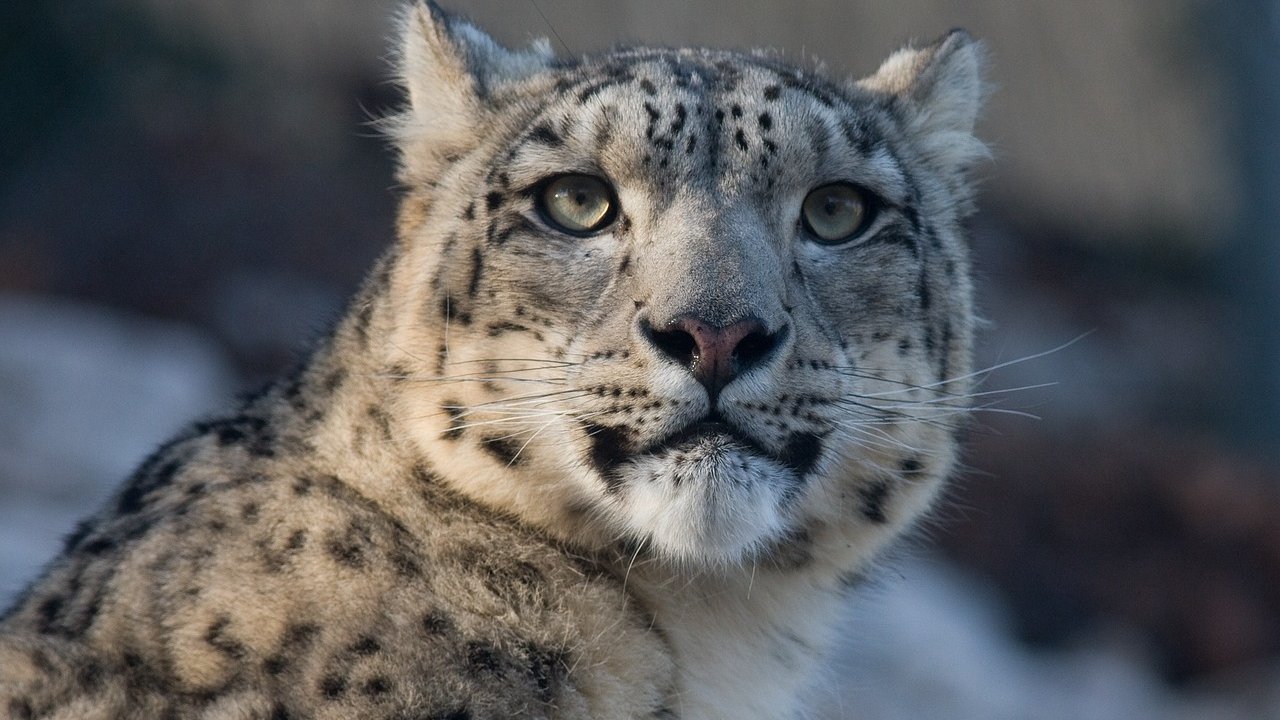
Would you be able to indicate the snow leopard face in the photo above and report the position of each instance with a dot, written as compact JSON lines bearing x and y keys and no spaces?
{"x":704,"y":302}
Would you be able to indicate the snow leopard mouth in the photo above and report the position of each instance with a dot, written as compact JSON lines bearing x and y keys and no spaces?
{"x":710,"y":435}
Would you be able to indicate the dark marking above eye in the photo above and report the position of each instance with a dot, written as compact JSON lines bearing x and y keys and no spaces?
{"x":545,"y":135}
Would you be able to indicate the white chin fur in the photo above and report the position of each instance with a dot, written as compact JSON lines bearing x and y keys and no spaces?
{"x":708,"y":505}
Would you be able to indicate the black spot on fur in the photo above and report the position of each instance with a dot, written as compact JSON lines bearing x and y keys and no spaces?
{"x":333,"y":381}
{"x":483,"y":658}
{"x":381,"y":420}
{"x":20,"y":709}
{"x":594,"y":89}
{"x":502,"y":328}
{"x":332,"y":687}
{"x":545,"y":135}
{"x":648,"y":87}
{"x":740,"y":139}
{"x":493,"y":201}
{"x":347,"y":549}
{"x":766,"y":121}
{"x":376,"y":685}
{"x":366,"y":645}
{"x":216,"y":635}
{"x":736,"y":109}
{"x":873,"y":498}
{"x":470,"y":212}
{"x":437,"y":623}
{"x":477,"y":269}
{"x":801,"y":452}
{"x":452,"y":312}
{"x":49,"y":610}
{"x":83,"y":528}
{"x":682,"y":114}
{"x":515,"y":581}
{"x":97,"y":546}
{"x":457,"y":415}
{"x":911,"y":467}
{"x":772,"y":92}
{"x":460,"y":713}
{"x":504,"y":449}
{"x":944,"y":359}
{"x":546,"y":667}
{"x":146,"y":481}
{"x":608,"y":450}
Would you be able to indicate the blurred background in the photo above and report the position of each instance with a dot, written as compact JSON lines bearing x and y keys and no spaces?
{"x":189,"y":189}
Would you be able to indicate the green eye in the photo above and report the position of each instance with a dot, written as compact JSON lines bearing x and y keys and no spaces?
{"x":836,"y":213}
{"x":578,"y":204}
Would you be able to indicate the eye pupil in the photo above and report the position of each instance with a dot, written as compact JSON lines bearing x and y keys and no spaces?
{"x":577,"y":204}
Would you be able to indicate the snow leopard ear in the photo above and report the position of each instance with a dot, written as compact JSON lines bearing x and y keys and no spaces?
{"x":937,"y":91}
{"x":449,"y":69}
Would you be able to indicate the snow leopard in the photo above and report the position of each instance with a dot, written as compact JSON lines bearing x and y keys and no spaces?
{"x":670,"y":344}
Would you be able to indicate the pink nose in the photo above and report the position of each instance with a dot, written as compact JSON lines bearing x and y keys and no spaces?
{"x":714,"y":354}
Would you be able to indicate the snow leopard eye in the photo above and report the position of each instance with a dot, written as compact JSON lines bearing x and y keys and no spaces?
{"x":836,"y":213}
{"x":578,"y":204}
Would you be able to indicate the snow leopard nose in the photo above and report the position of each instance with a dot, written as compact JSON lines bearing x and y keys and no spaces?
{"x":714,"y":354}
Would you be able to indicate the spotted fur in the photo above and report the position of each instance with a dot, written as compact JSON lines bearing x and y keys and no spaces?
{"x":504,"y":486}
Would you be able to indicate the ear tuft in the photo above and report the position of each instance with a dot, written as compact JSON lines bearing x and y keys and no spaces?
{"x":937,"y":91}
{"x":449,"y":69}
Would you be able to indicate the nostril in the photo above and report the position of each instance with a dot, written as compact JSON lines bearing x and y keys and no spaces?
{"x":755,"y":348}
{"x":674,"y":343}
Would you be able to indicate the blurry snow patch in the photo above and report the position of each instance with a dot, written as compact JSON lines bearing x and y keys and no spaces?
{"x":85,"y":394}
{"x":928,"y":642}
